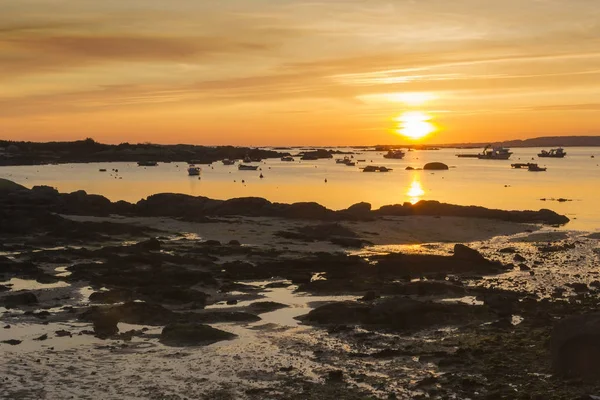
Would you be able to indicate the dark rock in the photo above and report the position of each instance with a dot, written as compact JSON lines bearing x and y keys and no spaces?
{"x":436,"y":166}
{"x":19,"y":299}
{"x":152,"y":244}
{"x":524,"y":267}
{"x":234,"y":243}
{"x":466,"y":253}
{"x":335,"y":376}
{"x":63,"y":333}
{"x":12,"y":342}
{"x":43,"y":337}
{"x":232,"y":302}
{"x":111,"y":296}
{"x":261,"y":307}
{"x":409,"y":168}
{"x":359,"y":209}
{"x":575,"y":347}
{"x":192,"y":334}
{"x":519,"y":258}
{"x":347,"y":312}
{"x":211,"y":243}
{"x":370,"y":296}
{"x":508,"y":250}
{"x":105,"y":325}
{"x":578,"y":287}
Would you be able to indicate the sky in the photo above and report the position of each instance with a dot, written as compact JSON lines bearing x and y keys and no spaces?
{"x":290,"y":72}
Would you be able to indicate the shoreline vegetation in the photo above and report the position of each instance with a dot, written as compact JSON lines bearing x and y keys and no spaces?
{"x":88,"y":150}
{"x":291,"y":301}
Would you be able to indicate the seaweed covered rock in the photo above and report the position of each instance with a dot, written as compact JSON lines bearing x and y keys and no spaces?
{"x":192,"y":334}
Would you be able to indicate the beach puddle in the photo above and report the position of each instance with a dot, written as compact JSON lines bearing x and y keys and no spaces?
{"x":17,"y":284}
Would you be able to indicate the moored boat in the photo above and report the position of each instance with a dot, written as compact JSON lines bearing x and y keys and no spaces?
{"x":227,"y":161}
{"x":147,"y":163}
{"x":553,"y":153}
{"x":395,"y":154}
{"x":287,"y":158}
{"x":494,"y":153}
{"x":243,"y":167}
{"x":535,"y":168}
{"x":193,"y":171}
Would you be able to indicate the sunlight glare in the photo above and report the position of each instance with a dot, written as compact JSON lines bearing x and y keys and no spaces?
{"x":411,"y":98}
{"x":414,"y":124}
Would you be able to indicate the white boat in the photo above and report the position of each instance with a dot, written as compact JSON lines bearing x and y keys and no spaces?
{"x":494,"y":153}
{"x":193,"y":171}
{"x":243,"y":167}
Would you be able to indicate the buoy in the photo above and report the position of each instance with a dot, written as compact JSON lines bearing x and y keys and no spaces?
{"x":325,"y":180}
{"x":261,"y":176}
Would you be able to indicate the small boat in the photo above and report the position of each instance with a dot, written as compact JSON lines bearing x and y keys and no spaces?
{"x":495,"y":153}
{"x":227,"y":161}
{"x":351,"y":164}
{"x":373,"y":168}
{"x":287,"y":158}
{"x":467,"y":155}
{"x":344,"y":160}
{"x":147,"y":163}
{"x":395,"y":154}
{"x":193,"y":171}
{"x":520,"y":165}
{"x":102,"y":169}
{"x":553,"y":153}
{"x":361,"y":160}
{"x":535,"y":168}
{"x":243,"y":167}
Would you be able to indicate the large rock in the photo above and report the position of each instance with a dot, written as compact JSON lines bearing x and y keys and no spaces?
{"x":346,"y":312}
{"x":575,"y":347}
{"x":105,"y":325}
{"x":466,"y":253}
{"x":192,"y":334}
{"x":435,"y":166}
{"x":19,"y":299}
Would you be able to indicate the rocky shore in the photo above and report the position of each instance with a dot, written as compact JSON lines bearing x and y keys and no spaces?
{"x":187,"y":297}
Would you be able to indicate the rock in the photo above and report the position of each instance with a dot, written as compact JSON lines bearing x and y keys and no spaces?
{"x":12,"y":342}
{"x":370,"y":296}
{"x":105,"y":325}
{"x":519,"y":258}
{"x":6,"y":326}
{"x":466,"y":253}
{"x":524,"y":267}
{"x":232,"y":302}
{"x":508,"y":250}
{"x":346,"y":312}
{"x":43,"y":337}
{"x":62,"y":333}
{"x":111,"y":296}
{"x":578,"y":287}
{"x":19,"y":299}
{"x":575,"y":347}
{"x":335,"y":376}
{"x":211,"y":243}
{"x":192,"y":334}
{"x":409,"y":168}
{"x":261,"y":307}
{"x":359,"y":209}
{"x":435,"y":166}
{"x":152,"y":244}
{"x":234,"y":243}
{"x":595,"y":284}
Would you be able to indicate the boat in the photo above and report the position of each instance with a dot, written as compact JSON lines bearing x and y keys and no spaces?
{"x":395,"y":154}
{"x":467,"y":155}
{"x":193,"y":171}
{"x":520,"y":165}
{"x":102,"y":169}
{"x":494,"y":153}
{"x":553,"y":153}
{"x":287,"y":158}
{"x":373,"y":168}
{"x":350,"y":164}
{"x":147,"y":163}
{"x":243,"y":167}
{"x":344,"y":160}
{"x":227,"y":161}
{"x":535,"y":168}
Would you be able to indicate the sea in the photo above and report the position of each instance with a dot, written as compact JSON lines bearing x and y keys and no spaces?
{"x":469,"y":181}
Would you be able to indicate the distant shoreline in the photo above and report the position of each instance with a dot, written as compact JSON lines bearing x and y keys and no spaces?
{"x":87,"y":151}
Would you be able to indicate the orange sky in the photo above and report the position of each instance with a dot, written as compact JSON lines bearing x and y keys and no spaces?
{"x":290,"y":72}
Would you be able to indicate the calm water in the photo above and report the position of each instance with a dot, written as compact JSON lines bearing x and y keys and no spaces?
{"x":488,"y":183}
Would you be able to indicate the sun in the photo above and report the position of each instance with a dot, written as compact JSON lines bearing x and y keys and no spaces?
{"x":414,"y":125}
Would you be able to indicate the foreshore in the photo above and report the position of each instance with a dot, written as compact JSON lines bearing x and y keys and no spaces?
{"x":187,"y":297}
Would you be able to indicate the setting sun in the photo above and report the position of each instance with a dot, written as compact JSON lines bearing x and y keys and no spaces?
{"x":414,"y":125}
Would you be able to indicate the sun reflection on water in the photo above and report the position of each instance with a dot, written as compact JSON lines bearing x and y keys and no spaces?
{"x":415,"y":191}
